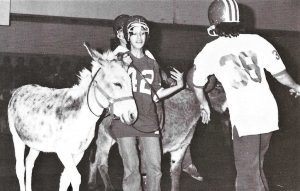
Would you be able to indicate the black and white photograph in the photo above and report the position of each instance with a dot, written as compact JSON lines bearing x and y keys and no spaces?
{"x":149,"y":95}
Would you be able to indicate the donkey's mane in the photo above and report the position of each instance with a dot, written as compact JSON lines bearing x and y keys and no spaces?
{"x":85,"y":76}
{"x":108,"y":55}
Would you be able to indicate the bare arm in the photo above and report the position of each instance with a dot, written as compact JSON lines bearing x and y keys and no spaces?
{"x":204,"y":106}
{"x":285,"y":79}
{"x":164,"y":92}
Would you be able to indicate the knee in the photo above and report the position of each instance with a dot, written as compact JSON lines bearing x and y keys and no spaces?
{"x":20,"y":170}
{"x":103,"y":168}
{"x":175,"y":168}
{"x":175,"y":171}
{"x":132,"y":174}
{"x":154,"y":169}
{"x":131,"y":168}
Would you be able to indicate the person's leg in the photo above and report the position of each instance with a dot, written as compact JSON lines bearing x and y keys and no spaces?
{"x":189,"y":167}
{"x":152,"y":160}
{"x":247,"y":162}
{"x":143,"y":169}
{"x":264,"y":146}
{"x":129,"y":155}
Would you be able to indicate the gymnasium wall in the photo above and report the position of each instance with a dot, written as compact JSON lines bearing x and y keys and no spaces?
{"x":268,"y":14}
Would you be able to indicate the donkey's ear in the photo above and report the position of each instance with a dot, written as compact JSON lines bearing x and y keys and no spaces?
{"x":92,"y":52}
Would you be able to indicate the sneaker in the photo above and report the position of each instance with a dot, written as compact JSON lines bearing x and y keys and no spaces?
{"x":193,"y":172}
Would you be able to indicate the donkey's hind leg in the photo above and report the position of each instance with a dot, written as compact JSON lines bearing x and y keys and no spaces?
{"x":19,"y":154}
{"x":175,"y":171}
{"x":30,"y":159}
{"x":70,"y":173}
{"x":103,"y":169}
{"x":101,"y":164}
{"x":104,"y":143}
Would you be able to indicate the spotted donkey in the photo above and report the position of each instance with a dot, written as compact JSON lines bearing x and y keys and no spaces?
{"x":63,"y":120}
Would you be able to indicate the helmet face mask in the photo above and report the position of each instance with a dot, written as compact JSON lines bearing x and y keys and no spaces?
{"x":222,"y":11}
{"x":144,"y":27}
{"x":136,"y":21}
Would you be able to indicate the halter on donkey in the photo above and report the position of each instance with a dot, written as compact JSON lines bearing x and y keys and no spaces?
{"x":63,"y":120}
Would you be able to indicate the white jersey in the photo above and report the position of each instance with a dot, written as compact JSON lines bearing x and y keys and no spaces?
{"x":239,"y":63}
{"x":124,"y":49}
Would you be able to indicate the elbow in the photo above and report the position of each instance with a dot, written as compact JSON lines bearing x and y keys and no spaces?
{"x":157,"y":96}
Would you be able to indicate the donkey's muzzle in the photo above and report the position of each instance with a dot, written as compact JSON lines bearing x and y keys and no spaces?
{"x":132,"y":117}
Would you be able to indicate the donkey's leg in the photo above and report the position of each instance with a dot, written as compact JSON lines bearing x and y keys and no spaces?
{"x":175,"y":171}
{"x":64,"y":181}
{"x":189,"y":167}
{"x":19,"y":154}
{"x":70,"y":173}
{"x":92,"y":177}
{"x":65,"y":178}
{"x":103,"y":167}
{"x":104,"y":143}
{"x":101,"y":164}
{"x":30,"y":159}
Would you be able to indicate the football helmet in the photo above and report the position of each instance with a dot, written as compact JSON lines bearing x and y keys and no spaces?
{"x":222,"y":11}
{"x":120,"y":22}
{"x":134,"y":21}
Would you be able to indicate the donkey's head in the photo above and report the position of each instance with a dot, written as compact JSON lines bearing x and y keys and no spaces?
{"x":112,"y":85}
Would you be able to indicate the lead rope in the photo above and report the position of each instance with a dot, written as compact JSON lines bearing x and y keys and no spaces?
{"x":88,"y":102}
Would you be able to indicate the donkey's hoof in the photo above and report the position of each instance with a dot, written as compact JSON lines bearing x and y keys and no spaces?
{"x":91,"y":187}
{"x":193,"y":172}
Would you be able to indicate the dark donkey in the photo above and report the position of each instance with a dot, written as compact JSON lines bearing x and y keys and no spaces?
{"x":182,"y":113}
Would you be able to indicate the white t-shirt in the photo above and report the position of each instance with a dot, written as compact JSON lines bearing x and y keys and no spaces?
{"x":239,"y":63}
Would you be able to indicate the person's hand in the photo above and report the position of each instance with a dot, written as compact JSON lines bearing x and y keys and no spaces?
{"x":178,"y":76}
{"x":295,"y":91}
{"x":127,"y":59}
{"x":205,"y":113}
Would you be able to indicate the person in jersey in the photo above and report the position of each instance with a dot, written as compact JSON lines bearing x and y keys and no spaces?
{"x":122,"y":52}
{"x":238,"y":62}
{"x":118,"y":28}
{"x":147,"y":90}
